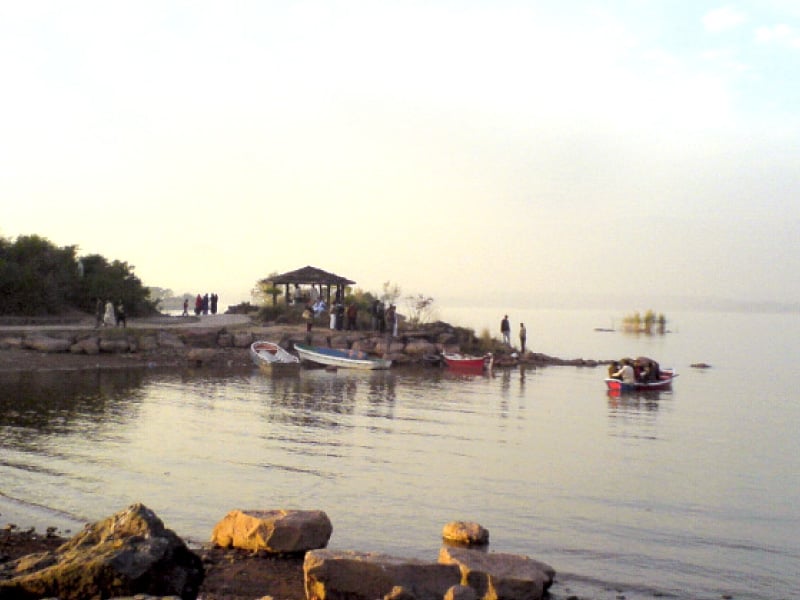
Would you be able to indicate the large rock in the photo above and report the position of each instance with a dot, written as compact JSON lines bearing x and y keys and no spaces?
{"x":147,"y":343}
{"x":242,"y":339}
{"x":276,"y":531}
{"x":10,"y":342}
{"x":498,"y":576}
{"x":466,"y":533}
{"x":347,"y":575}
{"x":200,"y":356}
{"x":114,"y":345}
{"x":417,"y":347}
{"x":89,"y":345}
{"x":43,"y":343}
{"x":200,"y":338}
{"x":168,"y":339}
{"x":128,"y":553}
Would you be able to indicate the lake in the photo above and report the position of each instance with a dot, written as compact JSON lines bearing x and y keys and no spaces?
{"x":689,"y":493}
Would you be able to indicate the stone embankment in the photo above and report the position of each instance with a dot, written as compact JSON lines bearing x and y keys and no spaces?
{"x":172,"y":342}
{"x":133,"y":553}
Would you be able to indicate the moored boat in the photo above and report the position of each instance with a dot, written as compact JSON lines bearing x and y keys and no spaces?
{"x":346,"y":359}
{"x":269,"y":356}
{"x":467,"y":363}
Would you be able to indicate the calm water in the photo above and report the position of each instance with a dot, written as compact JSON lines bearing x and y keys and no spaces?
{"x":690,"y":493}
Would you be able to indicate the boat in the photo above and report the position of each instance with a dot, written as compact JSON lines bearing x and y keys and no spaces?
{"x":663,"y":380}
{"x":468,"y":363}
{"x":269,"y":356}
{"x":346,"y":359}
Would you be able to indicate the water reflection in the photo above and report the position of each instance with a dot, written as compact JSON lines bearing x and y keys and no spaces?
{"x":35,"y":404}
{"x":633,"y":415}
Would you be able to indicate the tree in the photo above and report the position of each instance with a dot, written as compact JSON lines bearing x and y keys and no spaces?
{"x":265,"y":289}
{"x":420,"y":308}
{"x":38,"y":278}
{"x":391,"y":292}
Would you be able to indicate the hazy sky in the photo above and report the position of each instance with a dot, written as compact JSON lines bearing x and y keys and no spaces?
{"x":507,"y":149}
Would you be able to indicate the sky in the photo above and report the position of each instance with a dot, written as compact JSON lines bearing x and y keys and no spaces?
{"x":501,"y":152}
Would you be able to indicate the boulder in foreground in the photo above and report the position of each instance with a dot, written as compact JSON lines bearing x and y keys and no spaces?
{"x":275,"y":531}
{"x":129,"y":553}
{"x":495,"y":575}
{"x":348,"y":575}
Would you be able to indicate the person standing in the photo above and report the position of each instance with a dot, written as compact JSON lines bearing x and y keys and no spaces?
{"x":198,"y":305}
{"x":523,"y":336}
{"x":121,"y":315}
{"x":352,"y":316}
{"x":98,"y":313}
{"x":214,"y":300}
{"x":505,"y":329}
{"x":185,"y":307}
{"x":109,"y":318}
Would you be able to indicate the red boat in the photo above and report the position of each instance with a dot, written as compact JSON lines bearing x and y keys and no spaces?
{"x":664,"y":381}
{"x":467,"y":363}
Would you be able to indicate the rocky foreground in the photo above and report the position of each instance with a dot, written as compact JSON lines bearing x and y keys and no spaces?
{"x":132,"y":553}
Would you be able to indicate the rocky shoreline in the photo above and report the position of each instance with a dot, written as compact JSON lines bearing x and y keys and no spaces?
{"x":132,"y":554}
{"x":174,"y":342}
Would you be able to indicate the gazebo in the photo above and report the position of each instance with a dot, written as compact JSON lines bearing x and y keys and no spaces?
{"x":310,"y":276}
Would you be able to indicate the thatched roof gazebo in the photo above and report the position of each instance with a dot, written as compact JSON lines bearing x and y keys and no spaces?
{"x":310,"y":276}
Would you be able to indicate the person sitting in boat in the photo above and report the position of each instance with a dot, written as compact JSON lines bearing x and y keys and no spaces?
{"x":646,"y":370}
{"x":625,"y":372}
{"x":612,"y":369}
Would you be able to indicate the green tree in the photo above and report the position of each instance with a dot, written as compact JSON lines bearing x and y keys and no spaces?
{"x":38,"y":278}
{"x":266,"y":291}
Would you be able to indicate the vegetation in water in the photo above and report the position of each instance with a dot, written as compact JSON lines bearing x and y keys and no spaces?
{"x":650,"y":323}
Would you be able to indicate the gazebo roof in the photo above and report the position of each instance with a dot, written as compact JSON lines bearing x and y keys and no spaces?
{"x":310,"y":275}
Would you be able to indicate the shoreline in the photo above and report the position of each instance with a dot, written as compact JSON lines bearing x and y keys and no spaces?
{"x":220,"y":341}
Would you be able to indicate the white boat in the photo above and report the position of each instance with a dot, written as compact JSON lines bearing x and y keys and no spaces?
{"x":271,"y":357}
{"x":346,"y":359}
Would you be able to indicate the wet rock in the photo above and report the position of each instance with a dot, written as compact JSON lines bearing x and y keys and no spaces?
{"x":167,"y":339}
{"x":498,"y":575}
{"x":89,"y":345}
{"x":466,"y":532}
{"x":275,"y":531}
{"x":348,"y":575}
{"x":242,"y":339}
{"x":47,"y":344}
{"x":200,"y":338}
{"x":126,"y":554}
{"x":200,"y":356}
{"x":118,"y":345}
{"x":417,"y":348}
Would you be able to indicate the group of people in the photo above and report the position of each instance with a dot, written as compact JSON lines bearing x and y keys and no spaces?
{"x":315,"y":306}
{"x":384,"y":319}
{"x":108,"y":315}
{"x":640,"y":370}
{"x":203,"y":305}
{"x":505,"y":329}
{"x":345,"y":316}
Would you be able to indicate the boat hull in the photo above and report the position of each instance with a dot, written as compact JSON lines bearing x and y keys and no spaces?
{"x":344,"y":359}
{"x":667,"y":375}
{"x":467,"y":364}
{"x":271,"y":358}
